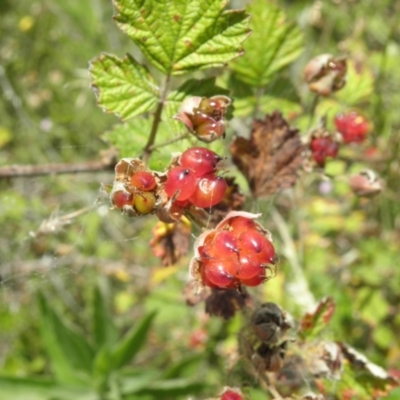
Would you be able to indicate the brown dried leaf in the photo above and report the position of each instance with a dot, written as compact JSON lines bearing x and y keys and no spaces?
{"x":225,"y":303}
{"x":271,"y":157}
{"x":323,"y":359}
{"x":171,"y":241}
{"x":368,"y":377}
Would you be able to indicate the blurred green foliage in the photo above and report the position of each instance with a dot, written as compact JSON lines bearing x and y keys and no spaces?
{"x":78,"y":299}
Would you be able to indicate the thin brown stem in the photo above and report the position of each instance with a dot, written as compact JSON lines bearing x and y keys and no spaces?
{"x":167,"y":142}
{"x":156,"y":121}
{"x":13,"y":171}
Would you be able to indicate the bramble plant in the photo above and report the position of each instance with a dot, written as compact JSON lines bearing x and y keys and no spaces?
{"x":210,"y":146}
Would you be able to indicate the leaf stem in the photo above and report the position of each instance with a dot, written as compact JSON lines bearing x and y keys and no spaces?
{"x":156,"y":121}
{"x":167,"y":142}
{"x":313,"y":109}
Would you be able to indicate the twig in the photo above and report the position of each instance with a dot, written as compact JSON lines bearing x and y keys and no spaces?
{"x":167,"y":142}
{"x":156,"y":121}
{"x":12,"y":171}
{"x":56,"y":223}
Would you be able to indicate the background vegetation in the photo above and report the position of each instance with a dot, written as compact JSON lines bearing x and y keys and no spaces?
{"x":93,"y":272}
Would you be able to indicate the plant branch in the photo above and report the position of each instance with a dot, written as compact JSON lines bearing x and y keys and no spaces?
{"x":107,"y":162}
{"x":156,"y":121}
{"x":13,"y":171}
{"x":167,"y":142}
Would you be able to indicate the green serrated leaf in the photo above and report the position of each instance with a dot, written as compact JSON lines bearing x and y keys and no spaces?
{"x":123,"y":87}
{"x":279,"y":95}
{"x":273,"y":45}
{"x":359,"y":86}
{"x":133,"y":341}
{"x":181,"y":36}
{"x":129,"y":137}
{"x":71,"y":354}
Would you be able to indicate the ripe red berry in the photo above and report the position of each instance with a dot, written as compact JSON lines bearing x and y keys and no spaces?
{"x":223,"y":244}
{"x":353,"y":127}
{"x":143,"y":180}
{"x":249,"y":266}
{"x":323,"y":147}
{"x":221,"y":272}
{"x":231,"y":395}
{"x":209,"y":191}
{"x":256,"y":280}
{"x":201,"y":160}
{"x":121,"y":199}
{"x":144,"y":202}
{"x":254,"y":242}
{"x":181,"y":180}
{"x":240,"y":224}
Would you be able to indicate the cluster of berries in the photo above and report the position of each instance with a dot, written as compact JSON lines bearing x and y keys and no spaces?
{"x":141,"y":195}
{"x":204,"y":117}
{"x":238,"y":252}
{"x":193,"y":180}
{"x":352,"y":126}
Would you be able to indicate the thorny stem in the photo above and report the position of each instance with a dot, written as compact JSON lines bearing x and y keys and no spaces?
{"x":156,"y":121}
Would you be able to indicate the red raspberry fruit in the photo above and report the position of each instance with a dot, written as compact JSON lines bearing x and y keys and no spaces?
{"x":226,"y":258}
{"x":222,"y":244}
{"x":201,"y":160}
{"x":231,"y":395}
{"x":353,"y":127}
{"x":209,"y":191}
{"x":121,"y":199}
{"x":221,"y":271}
{"x":240,"y":224}
{"x":255,"y":280}
{"x":254,"y":242}
{"x":250,"y":267}
{"x":181,"y":180}
{"x":143,"y":180}
{"x":323,"y":147}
